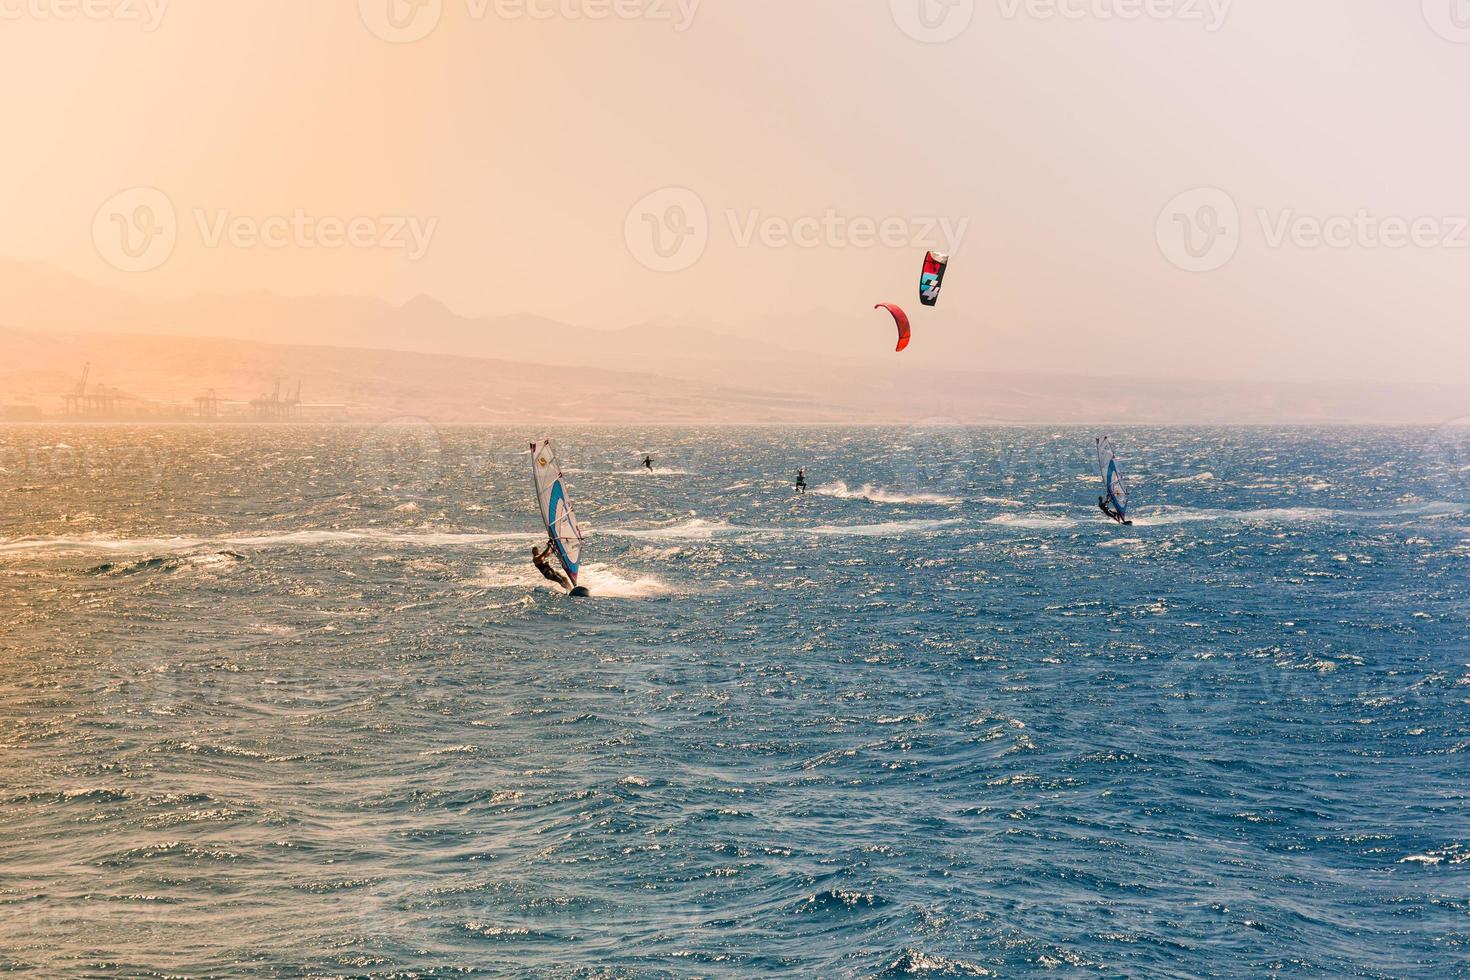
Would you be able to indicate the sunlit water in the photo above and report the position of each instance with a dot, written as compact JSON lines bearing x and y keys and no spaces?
{"x":292,"y":701}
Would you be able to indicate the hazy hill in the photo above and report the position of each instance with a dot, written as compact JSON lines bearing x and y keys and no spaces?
{"x":811,"y":366}
{"x":38,"y":367}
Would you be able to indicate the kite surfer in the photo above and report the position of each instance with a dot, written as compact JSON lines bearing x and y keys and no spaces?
{"x":801,"y":481}
{"x":539,"y":558}
{"x":648,"y":463}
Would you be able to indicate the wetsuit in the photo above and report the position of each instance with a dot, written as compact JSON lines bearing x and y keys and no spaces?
{"x":801,"y":481}
{"x":538,"y":558}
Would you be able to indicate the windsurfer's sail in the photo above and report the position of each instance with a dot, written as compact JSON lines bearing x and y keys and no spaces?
{"x":1113,"y":483}
{"x":556,"y":509}
{"x":932,"y":280}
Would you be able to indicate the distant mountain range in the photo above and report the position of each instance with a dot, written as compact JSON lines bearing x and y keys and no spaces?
{"x":381,"y":360}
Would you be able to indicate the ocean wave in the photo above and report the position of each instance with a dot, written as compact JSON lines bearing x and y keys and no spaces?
{"x":607,"y":582}
{"x":303,"y":539}
{"x":640,"y":471}
{"x":879,"y":495}
{"x":699,"y":529}
{"x":887,"y":529}
{"x":603,"y":581}
{"x":1033,"y":522}
{"x":518,"y":576}
{"x":787,"y":751}
{"x":836,"y":900}
{"x":999,"y":501}
{"x":163,"y":550}
{"x":465,"y":749}
{"x":165,"y":564}
{"x":1168,"y":514}
{"x":694,"y":529}
{"x":915,"y":963}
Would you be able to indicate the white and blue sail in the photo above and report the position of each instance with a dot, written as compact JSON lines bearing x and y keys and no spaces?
{"x":556,"y":508}
{"x":1114,"y":485}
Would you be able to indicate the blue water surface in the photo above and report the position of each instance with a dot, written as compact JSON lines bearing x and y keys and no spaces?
{"x":291,"y":701}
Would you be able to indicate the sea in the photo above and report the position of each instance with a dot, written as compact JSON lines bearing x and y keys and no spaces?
{"x":291,"y":701}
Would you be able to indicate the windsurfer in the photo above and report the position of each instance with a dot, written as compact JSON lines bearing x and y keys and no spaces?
{"x":540,"y":557}
{"x":1102,"y":504}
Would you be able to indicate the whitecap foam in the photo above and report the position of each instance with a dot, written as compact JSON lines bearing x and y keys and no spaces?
{"x":999,"y":501}
{"x":888,"y":529}
{"x":450,"y":750}
{"x":640,"y":471}
{"x":1162,"y":516}
{"x":1166,"y":515}
{"x":606,"y":582}
{"x":1156,"y":516}
{"x":416,"y":539}
{"x":695,"y":529}
{"x":175,"y":545}
{"x":111,"y":545}
{"x":603,"y":581}
{"x":699,"y":529}
{"x":1288,"y":515}
{"x":1033,"y":522}
{"x":880,"y":495}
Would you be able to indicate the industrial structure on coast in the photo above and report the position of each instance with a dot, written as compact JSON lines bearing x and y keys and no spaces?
{"x":94,"y":401}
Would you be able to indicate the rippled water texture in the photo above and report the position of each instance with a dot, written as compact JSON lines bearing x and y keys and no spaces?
{"x":292,"y":701}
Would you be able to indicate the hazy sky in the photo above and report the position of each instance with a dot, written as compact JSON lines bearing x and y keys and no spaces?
{"x":498,"y":163}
